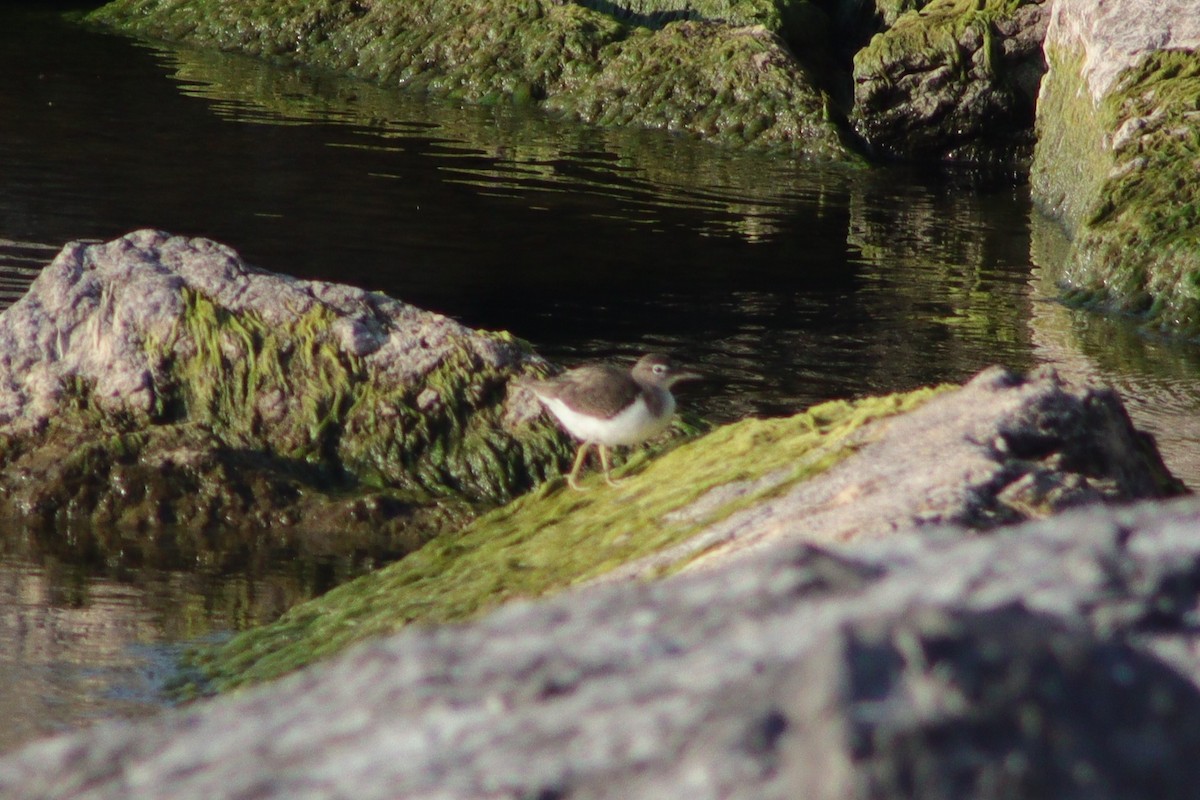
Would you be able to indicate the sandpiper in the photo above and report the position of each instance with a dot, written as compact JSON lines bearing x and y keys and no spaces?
{"x":606,"y":406}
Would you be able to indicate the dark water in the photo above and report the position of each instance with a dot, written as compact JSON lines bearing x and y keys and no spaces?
{"x":793,"y":283}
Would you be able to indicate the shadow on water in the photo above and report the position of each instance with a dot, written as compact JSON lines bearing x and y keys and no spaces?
{"x":788,"y":282}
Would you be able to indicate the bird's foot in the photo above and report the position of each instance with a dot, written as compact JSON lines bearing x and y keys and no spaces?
{"x":608,"y":478}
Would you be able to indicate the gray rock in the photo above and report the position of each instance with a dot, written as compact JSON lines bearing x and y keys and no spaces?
{"x":1118,"y":36}
{"x":997,"y":704}
{"x":96,"y":310}
{"x":1020,"y":664}
{"x":1002,"y":449}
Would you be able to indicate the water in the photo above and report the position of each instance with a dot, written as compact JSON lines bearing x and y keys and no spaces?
{"x":792,"y":283}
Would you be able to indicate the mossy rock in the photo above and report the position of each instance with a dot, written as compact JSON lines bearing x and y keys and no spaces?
{"x":556,"y":538}
{"x":731,"y":85}
{"x":1121,"y":175}
{"x":854,"y":22}
{"x":952,"y":80}
{"x":741,"y":85}
{"x":297,"y":392}
{"x":159,"y":381}
{"x":803,"y":24}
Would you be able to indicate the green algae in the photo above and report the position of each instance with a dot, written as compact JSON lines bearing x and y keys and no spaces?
{"x":804,"y":25}
{"x":125,"y":491}
{"x":737,"y":86}
{"x":1069,"y":166}
{"x":931,"y":33}
{"x":555,"y":538}
{"x":254,"y":426}
{"x":223,"y":366}
{"x":572,"y":58}
{"x":298,"y":393}
{"x":891,"y":10}
{"x":1120,"y":174}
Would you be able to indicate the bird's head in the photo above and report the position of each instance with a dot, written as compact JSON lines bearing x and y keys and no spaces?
{"x":661,"y":370}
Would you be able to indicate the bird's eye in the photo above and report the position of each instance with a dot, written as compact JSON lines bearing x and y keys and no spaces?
{"x":659,"y":369}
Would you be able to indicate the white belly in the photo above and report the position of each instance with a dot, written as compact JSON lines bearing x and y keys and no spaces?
{"x":634,"y":424}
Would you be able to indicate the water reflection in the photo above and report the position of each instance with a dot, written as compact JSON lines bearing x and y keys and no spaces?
{"x":507,"y":151}
{"x":66,"y":656}
{"x":792,"y":282}
{"x":86,"y":637}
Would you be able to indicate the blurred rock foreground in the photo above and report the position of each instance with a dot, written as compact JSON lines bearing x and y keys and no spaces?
{"x":1052,"y":660}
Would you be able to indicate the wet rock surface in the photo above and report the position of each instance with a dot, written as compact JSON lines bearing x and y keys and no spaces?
{"x":159,"y":381}
{"x":1051,"y":660}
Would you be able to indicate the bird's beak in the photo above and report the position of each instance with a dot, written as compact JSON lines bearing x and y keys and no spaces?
{"x":686,"y":376}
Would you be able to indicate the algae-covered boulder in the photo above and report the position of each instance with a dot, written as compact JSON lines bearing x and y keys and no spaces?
{"x":157,"y":380}
{"x":687,"y":78}
{"x":1118,"y":153}
{"x":953,"y":80}
{"x":1001,"y":449}
{"x":721,"y":72}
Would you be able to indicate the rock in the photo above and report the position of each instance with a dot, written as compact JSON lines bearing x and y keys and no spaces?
{"x":1003,"y":703}
{"x":787,"y":18}
{"x":1000,"y":450}
{"x":858,"y":20}
{"x":1117,"y":153}
{"x":720,"y":70}
{"x":952,"y":81}
{"x":1028,"y":663}
{"x":158,"y":380}
{"x":803,"y":25}
{"x":733,"y":85}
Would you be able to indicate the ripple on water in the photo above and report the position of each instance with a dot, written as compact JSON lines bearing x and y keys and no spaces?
{"x":20,"y":263}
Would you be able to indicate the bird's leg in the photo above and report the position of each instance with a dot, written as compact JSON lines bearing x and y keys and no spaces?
{"x":604,"y":463}
{"x":580,"y":455}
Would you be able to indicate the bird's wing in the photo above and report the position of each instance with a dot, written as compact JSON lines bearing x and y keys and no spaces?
{"x":603,"y":388}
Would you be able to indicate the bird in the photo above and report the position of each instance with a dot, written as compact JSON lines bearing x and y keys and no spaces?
{"x":607,"y":406}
